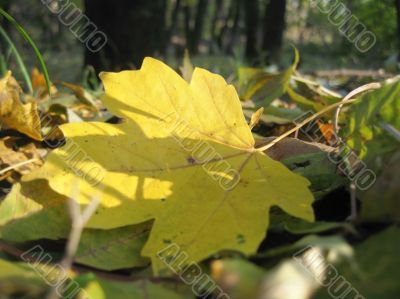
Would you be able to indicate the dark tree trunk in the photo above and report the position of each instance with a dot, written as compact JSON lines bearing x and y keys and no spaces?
{"x":235,"y":28}
{"x":197,"y":32}
{"x":5,"y":5}
{"x":134,"y":29}
{"x":397,"y":3}
{"x":216,"y":17}
{"x":215,"y":26}
{"x":225,"y":27}
{"x":187,"y":22}
{"x":174,"y":19}
{"x":251,"y":19}
{"x":274,"y":25}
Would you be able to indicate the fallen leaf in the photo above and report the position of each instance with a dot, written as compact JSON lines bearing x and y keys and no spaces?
{"x":81,"y":94}
{"x":114,"y":249}
{"x":149,"y":169}
{"x":381,"y":202}
{"x":312,"y":95}
{"x":364,"y":131}
{"x":309,"y":159}
{"x":238,"y":278}
{"x":28,"y":209}
{"x":373,"y":271}
{"x":21,"y":117}
{"x":255,"y":118}
{"x":327,"y":131}
{"x":259,"y":85}
{"x":39,"y":84}
{"x":12,"y":154}
{"x":20,"y":279}
{"x":99,"y":288}
{"x":302,"y":101}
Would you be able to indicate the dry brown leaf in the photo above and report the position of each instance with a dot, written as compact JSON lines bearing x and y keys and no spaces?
{"x":15,"y":115}
{"x":80,"y":93}
{"x":11,"y":154}
{"x":290,"y":147}
{"x":39,"y":84}
{"x":327,"y":131}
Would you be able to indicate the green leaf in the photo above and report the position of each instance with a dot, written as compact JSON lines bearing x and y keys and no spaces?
{"x":310,"y":160}
{"x":27,"y":211}
{"x":303,"y":102}
{"x":114,"y":249}
{"x":20,"y":279}
{"x":106,"y":289}
{"x":381,"y":202}
{"x":259,"y":85}
{"x":375,"y":272}
{"x":247,"y":275}
{"x":30,"y":207}
{"x":311,"y":95}
{"x":365,"y":134}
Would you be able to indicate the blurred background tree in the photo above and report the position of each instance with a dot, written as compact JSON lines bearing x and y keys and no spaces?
{"x":134,"y":29}
{"x":219,"y":34}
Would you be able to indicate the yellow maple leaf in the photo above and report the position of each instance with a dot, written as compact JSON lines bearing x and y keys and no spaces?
{"x":184,"y":156}
{"x":21,"y":117}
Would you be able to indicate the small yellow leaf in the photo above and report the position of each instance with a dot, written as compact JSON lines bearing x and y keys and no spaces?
{"x":255,"y":117}
{"x":187,"y":67}
{"x":80,"y":93}
{"x":21,"y":117}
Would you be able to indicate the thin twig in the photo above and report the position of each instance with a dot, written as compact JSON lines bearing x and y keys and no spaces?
{"x":303,"y":123}
{"x":11,"y":250}
{"x":352,"y":187}
{"x":79,"y":221}
{"x":18,"y":165}
{"x":356,"y":92}
{"x":353,"y":73}
{"x":353,"y":202}
{"x":346,"y":100}
{"x":298,"y":77}
{"x":391,"y":130}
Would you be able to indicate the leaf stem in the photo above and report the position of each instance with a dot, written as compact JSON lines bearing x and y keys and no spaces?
{"x":355,"y":92}
{"x":18,"y":165}
{"x":391,"y":130}
{"x":346,"y":100}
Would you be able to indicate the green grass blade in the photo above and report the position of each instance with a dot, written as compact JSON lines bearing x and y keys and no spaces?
{"x":20,"y":62}
{"x":26,"y":36}
{"x":3,"y":64}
